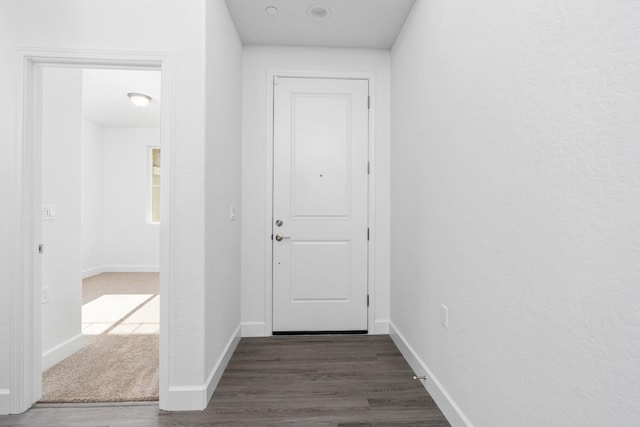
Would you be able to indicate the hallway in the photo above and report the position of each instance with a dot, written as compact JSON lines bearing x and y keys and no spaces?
{"x":289,"y":380}
{"x":502,"y":185}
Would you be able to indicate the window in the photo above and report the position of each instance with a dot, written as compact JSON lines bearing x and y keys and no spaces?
{"x":155,"y":185}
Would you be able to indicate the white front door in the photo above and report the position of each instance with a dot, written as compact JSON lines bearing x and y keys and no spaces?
{"x":320,"y":185}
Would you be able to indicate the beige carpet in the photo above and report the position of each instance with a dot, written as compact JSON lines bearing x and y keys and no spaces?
{"x":110,"y":368}
{"x":113,"y":366}
{"x":119,"y":283}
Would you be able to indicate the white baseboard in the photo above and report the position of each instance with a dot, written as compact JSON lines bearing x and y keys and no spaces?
{"x":61,"y":351}
{"x":253,"y":329}
{"x":89,"y":272}
{"x":5,"y":401}
{"x":131,"y":268}
{"x":185,"y":398}
{"x":94,"y":271}
{"x":221,"y":364}
{"x":445,"y":402}
{"x":257,"y":329}
{"x":381,"y":327}
{"x":196,"y":398}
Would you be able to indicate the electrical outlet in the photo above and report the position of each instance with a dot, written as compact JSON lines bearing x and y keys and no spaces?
{"x":45,"y":294}
{"x":444,"y":315}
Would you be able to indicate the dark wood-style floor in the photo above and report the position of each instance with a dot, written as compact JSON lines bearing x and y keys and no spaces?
{"x":350,"y":380}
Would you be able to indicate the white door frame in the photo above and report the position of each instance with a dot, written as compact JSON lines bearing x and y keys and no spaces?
{"x":268,"y":290}
{"x":26,"y":148}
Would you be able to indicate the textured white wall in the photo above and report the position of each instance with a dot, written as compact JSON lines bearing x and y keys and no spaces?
{"x":516,"y":198}
{"x":61,"y":174}
{"x":222,"y":174}
{"x":172,"y":26}
{"x":131,"y":242}
{"x":92,"y":198}
{"x":258,"y":60}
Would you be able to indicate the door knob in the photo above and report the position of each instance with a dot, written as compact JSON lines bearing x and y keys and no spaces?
{"x":280,"y":237}
{"x":279,"y":223}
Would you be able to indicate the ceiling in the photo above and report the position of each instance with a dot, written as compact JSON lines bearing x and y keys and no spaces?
{"x":351,"y":23}
{"x":105,"y":100}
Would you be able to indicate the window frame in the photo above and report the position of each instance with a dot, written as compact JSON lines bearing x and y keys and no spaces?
{"x":151,"y":185}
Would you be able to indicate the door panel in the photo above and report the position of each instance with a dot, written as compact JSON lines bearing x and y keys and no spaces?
{"x":320,"y":271}
{"x":320,"y":195}
{"x":321,"y":178}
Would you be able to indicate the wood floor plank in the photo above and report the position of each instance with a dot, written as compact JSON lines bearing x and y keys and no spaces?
{"x":342,"y":380}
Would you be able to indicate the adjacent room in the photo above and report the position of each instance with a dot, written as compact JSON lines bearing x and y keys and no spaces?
{"x":100,"y":234}
{"x":370,"y":212}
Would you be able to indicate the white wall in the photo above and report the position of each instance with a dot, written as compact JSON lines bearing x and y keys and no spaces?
{"x":92,"y":199}
{"x":173,"y":27}
{"x":131,"y":241}
{"x":258,"y":61}
{"x":516,"y":198}
{"x":222,"y":174}
{"x":117,"y":233}
{"x":61,"y":176}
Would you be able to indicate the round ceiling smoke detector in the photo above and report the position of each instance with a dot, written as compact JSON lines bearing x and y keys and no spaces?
{"x":318,"y":12}
{"x":271,"y":10}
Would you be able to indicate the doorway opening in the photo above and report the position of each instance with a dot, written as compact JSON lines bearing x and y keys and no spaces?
{"x":34,"y":297}
{"x":101,"y":175}
{"x":101,"y":172}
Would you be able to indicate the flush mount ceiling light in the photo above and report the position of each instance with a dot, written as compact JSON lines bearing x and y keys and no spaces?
{"x":318,"y":12}
{"x":271,"y":10}
{"x":139,"y":99}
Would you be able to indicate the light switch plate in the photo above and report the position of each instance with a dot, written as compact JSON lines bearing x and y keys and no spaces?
{"x":48,"y":212}
{"x":444,"y":315}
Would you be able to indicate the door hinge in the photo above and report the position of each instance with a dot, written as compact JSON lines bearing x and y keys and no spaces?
{"x":367,"y":300}
{"x":368,"y":101}
{"x":368,"y":168}
{"x":40,"y":248}
{"x":367,"y":234}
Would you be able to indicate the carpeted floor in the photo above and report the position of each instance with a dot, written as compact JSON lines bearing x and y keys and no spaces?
{"x":110,"y":368}
{"x":119,"y":361}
